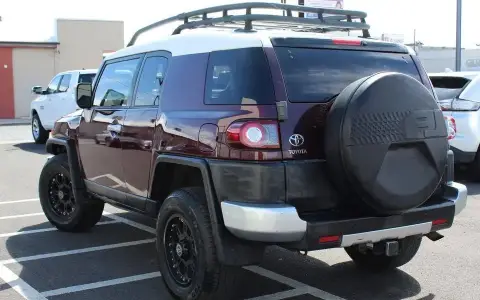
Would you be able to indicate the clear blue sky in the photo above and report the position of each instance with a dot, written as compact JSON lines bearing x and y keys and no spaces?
{"x":434,"y":20}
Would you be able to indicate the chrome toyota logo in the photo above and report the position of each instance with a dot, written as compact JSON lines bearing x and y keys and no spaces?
{"x":296,"y":140}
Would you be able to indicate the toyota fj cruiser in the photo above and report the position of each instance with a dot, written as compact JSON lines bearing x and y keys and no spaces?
{"x":284,"y":131}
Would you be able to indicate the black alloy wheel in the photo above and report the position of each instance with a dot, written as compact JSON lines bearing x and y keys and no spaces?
{"x":61,"y":197}
{"x":180,"y":250}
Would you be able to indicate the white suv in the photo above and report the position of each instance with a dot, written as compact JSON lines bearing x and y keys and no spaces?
{"x":459,"y":96}
{"x":55,"y":101}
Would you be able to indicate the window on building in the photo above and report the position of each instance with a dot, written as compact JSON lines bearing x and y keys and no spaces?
{"x":115,"y":84}
{"x":149,"y":85}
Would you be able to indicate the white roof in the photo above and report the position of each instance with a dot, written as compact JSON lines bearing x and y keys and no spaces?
{"x":208,"y":40}
{"x":465,"y":74}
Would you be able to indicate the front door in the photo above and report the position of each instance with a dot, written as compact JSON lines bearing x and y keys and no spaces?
{"x":139,"y":128}
{"x":63,"y":103}
{"x":101,"y":134}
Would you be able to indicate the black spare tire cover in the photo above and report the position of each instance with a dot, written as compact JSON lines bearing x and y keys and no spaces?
{"x":386,"y":139}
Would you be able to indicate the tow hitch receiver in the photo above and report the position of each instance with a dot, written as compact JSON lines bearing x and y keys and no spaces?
{"x":391,"y":248}
{"x":434,"y":236}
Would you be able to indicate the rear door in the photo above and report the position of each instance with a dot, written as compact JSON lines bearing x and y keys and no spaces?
{"x":100,"y":134}
{"x":139,"y":128}
{"x":313,"y":77}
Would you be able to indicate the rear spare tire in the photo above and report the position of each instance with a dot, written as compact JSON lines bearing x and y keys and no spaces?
{"x":386,"y":139}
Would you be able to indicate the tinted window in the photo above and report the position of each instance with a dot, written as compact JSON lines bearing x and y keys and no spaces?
{"x":148,"y":91}
{"x":447,"y":87}
{"x":316,"y":75}
{"x":88,"y":78}
{"x":64,"y":83}
{"x":115,"y":84}
{"x":240,"y":76}
{"x":53,"y":85}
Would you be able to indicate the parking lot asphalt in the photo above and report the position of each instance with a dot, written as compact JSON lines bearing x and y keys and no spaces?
{"x":116,"y":260}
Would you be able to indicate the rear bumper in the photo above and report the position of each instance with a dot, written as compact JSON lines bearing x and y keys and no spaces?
{"x":277,"y":223}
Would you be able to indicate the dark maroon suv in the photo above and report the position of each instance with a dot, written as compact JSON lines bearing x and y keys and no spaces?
{"x":237,"y":139}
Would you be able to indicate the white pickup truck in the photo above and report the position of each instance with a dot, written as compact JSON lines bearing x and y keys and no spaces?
{"x":57,"y":100}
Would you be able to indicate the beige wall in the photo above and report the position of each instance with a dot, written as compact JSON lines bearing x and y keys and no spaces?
{"x":83,"y":42}
{"x":82,"y":45}
{"x":31,"y":66}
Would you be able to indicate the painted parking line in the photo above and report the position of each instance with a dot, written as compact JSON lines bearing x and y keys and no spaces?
{"x":129,"y":222}
{"x":2,"y":235}
{"x":256,"y":269}
{"x":76,"y":251}
{"x":283,"y":295}
{"x":20,"y":201}
{"x":21,"y":216}
{"x":293,"y":283}
{"x":19,"y":285}
{"x":100,"y":284}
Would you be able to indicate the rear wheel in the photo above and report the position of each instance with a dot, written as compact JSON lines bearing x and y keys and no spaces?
{"x":60,"y":206}
{"x":367,"y":258}
{"x":186,"y":251}
{"x":40,"y":135}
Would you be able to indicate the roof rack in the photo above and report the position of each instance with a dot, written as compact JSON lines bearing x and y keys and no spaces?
{"x":337,"y":19}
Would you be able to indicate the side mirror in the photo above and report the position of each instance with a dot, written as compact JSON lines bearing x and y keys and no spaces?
{"x":160,"y":78}
{"x":37,"y":90}
{"x":84,"y":95}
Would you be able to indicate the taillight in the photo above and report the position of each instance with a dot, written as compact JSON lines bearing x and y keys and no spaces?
{"x":451,"y":127}
{"x":262,"y":134}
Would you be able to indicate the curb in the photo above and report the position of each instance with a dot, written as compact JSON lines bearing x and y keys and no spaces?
{"x":12,"y":122}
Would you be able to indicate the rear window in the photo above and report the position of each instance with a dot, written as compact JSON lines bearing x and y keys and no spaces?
{"x":240,"y":76}
{"x":448,"y":87}
{"x":317,"y":75}
{"x":86,"y":78}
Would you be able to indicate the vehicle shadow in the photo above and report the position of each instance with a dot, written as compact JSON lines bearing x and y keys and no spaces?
{"x":342,"y":279}
{"x":31,"y":147}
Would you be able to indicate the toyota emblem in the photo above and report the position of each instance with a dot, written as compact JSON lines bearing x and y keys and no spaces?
{"x":296,"y":140}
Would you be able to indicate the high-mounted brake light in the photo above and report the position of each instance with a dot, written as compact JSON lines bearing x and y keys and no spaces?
{"x":261,"y":134}
{"x":451,"y":127}
{"x":347,"y":42}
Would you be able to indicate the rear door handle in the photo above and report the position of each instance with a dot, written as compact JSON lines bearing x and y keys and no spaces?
{"x":114,"y":127}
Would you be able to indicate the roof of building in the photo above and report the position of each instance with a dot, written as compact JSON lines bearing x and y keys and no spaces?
{"x":18,"y":44}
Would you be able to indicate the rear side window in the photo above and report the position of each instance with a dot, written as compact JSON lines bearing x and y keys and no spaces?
{"x":317,"y":75}
{"x":239,"y":77}
{"x":448,"y":87}
{"x":86,"y":78}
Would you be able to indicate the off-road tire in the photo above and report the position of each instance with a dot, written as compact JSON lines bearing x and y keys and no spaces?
{"x":42,"y":134}
{"x":86,"y":214}
{"x":211,"y":280}
{"x":408,"y":247}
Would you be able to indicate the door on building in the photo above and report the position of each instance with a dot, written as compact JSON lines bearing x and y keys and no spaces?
{"x":6,"y":84}
{"x":100,"y":135}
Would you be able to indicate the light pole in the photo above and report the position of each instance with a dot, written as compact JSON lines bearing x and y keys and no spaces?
{"x":458,"y":48}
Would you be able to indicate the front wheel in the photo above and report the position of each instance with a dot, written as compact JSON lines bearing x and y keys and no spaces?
{"x":40,"y":135}
{"x":186,"y":251}
{"x":60,"y":206}
{"x":367,"y":259}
